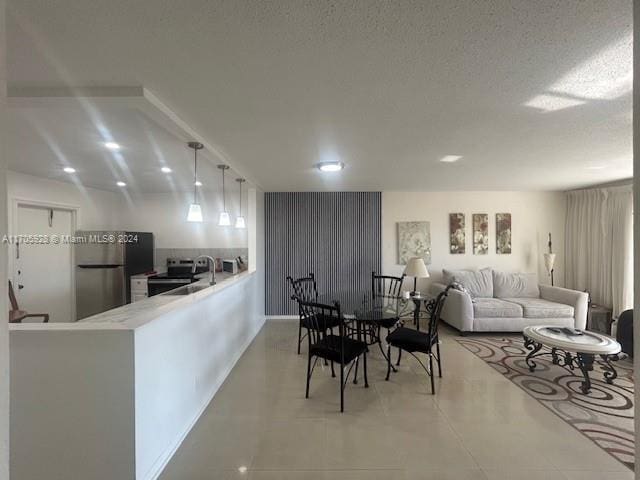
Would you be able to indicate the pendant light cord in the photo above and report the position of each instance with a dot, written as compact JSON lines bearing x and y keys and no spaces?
{"x":195,"y":173}
{"x":240,"y":198}
{"x":224,"y":203}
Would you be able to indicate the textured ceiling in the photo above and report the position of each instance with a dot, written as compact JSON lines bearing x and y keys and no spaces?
{"x":532,"y":94}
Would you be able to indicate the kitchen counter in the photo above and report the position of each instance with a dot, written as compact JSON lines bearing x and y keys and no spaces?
{"x":134,"y":315}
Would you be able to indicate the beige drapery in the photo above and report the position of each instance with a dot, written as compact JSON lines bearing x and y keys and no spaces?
{"x":599,"y":245}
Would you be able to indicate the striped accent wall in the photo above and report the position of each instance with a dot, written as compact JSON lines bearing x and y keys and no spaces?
{"x":335,"y":235}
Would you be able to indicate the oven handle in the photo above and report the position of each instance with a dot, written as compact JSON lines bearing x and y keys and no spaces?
{"x":168,"y":281}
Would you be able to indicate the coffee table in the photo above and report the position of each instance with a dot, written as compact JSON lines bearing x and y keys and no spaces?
{"x":573,"y":351}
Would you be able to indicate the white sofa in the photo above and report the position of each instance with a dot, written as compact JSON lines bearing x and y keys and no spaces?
{"x":491,"y":301}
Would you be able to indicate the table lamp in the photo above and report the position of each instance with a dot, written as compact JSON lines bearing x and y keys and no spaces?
{"x":417,"y":269}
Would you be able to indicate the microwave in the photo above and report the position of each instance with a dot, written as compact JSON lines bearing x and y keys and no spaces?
{"x":230,"y":266}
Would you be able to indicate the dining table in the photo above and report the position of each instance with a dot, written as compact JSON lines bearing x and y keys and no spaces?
{"x":369,"y":311}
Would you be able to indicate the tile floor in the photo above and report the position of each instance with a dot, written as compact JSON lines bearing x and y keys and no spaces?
{"x":478,"y":426}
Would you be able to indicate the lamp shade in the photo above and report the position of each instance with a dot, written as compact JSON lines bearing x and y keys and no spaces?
{"x":549,"y":261}
{"x":240,"y":222}
{"x":195,"y":213}
{"x":416,"y":268}
{"x":224,"y":220}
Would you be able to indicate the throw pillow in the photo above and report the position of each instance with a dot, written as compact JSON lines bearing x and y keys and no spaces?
{"x":478,"y":282}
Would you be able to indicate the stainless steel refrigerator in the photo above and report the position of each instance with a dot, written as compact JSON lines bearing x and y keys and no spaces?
{"x":105,"y":261}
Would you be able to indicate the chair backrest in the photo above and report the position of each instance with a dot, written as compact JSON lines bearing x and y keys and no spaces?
{"x":386,"y":285}
{"x":304,"y":287}
{"x":434,"y":320}
{"x":624,"y":331}
{"x":317,"y":315}
{"x":12,"y":297}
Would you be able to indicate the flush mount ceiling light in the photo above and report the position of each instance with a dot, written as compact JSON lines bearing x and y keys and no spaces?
{"x":224,"y":220}
{"x":121,"y":184}
{"x":450,"y":158}
{"x":112,"y":145}
{"x":330,"y":166}
{"x":69,"y":169}
{"x":195,"y":211}
{"x":166,"y":170}
{"x":197,"y":183}
{"x":240,"y":219}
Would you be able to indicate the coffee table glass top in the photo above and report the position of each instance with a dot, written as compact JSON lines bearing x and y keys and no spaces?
{"x":587,"y":342}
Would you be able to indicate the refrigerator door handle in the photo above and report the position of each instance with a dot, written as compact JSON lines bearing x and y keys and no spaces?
{"x":99,"y":266}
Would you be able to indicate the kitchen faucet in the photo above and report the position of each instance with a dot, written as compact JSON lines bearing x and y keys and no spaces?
{"x":212,"y":267}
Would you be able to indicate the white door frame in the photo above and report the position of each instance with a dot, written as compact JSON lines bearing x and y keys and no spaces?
{"x":13,"y":228}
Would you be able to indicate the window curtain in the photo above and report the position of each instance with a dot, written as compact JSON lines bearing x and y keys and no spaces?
{"x":599,"y":245}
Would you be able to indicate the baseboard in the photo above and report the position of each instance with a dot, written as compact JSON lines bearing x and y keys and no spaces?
{"x":282,"y":317}
{"x":164,"y":459}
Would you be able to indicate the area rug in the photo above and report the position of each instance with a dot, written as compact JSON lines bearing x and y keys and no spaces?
{"x":605,"y":415}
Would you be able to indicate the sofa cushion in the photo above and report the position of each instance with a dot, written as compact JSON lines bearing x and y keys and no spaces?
{"x":478,"y":282}
{"x":539,"y":308}
{"x":517,"y":324}
{"x":515,"y":285}
{"x":495,"y":308}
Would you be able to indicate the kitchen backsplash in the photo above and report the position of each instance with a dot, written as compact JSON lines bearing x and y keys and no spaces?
{"x":163,"y":253}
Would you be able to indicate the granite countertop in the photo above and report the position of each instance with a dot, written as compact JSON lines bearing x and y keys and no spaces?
{"x":135,"y":315}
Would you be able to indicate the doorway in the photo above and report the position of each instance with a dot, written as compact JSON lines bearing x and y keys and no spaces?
{"x":43,"y":260}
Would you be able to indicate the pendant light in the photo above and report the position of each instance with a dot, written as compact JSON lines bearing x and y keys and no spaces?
{"x":240,"y":219}
{"x":195,"y":211}
{"x":224,"y":220}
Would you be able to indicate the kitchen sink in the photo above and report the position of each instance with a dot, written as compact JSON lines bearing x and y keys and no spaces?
{"x":187,"y":290}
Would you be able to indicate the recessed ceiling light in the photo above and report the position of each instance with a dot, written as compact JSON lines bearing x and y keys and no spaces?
{"x":242,"y":469}
{"x":121,"y":184}
{"x":69,"y":169}
{"x":330,"y":166}
{"x":450,"y":158}
{"x":197,"y":183}
{"x":596,"y":167}
{"x":112,"y":145}
{"x":166,"y":170}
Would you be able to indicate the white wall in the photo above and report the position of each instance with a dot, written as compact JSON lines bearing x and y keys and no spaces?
{"x":165,"y":214}
{"x":72,"y":404}
{"x":533,"y":216}
{"x":97,"y":209}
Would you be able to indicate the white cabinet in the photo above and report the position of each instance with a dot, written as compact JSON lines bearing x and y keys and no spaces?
{"x":139,"y":289}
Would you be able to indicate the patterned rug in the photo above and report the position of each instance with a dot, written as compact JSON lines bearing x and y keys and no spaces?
{"x":605,"y":415}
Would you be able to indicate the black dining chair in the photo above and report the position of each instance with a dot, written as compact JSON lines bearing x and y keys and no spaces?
{"x":386,"y":286}
{"x":342,"y":348}
{"x":305,"y":288}
{"x":414,"y":341}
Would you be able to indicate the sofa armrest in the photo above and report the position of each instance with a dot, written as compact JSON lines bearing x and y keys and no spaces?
{"x":578,"y":300}
{"x":458,"y":308}
{"x":436,"y":288}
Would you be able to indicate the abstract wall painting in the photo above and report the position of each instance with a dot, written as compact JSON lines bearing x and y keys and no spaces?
{"x":480,"y":234}
{"x":414,"y":240}
{"x":457,"y":240}
{"x":503,"y":233}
